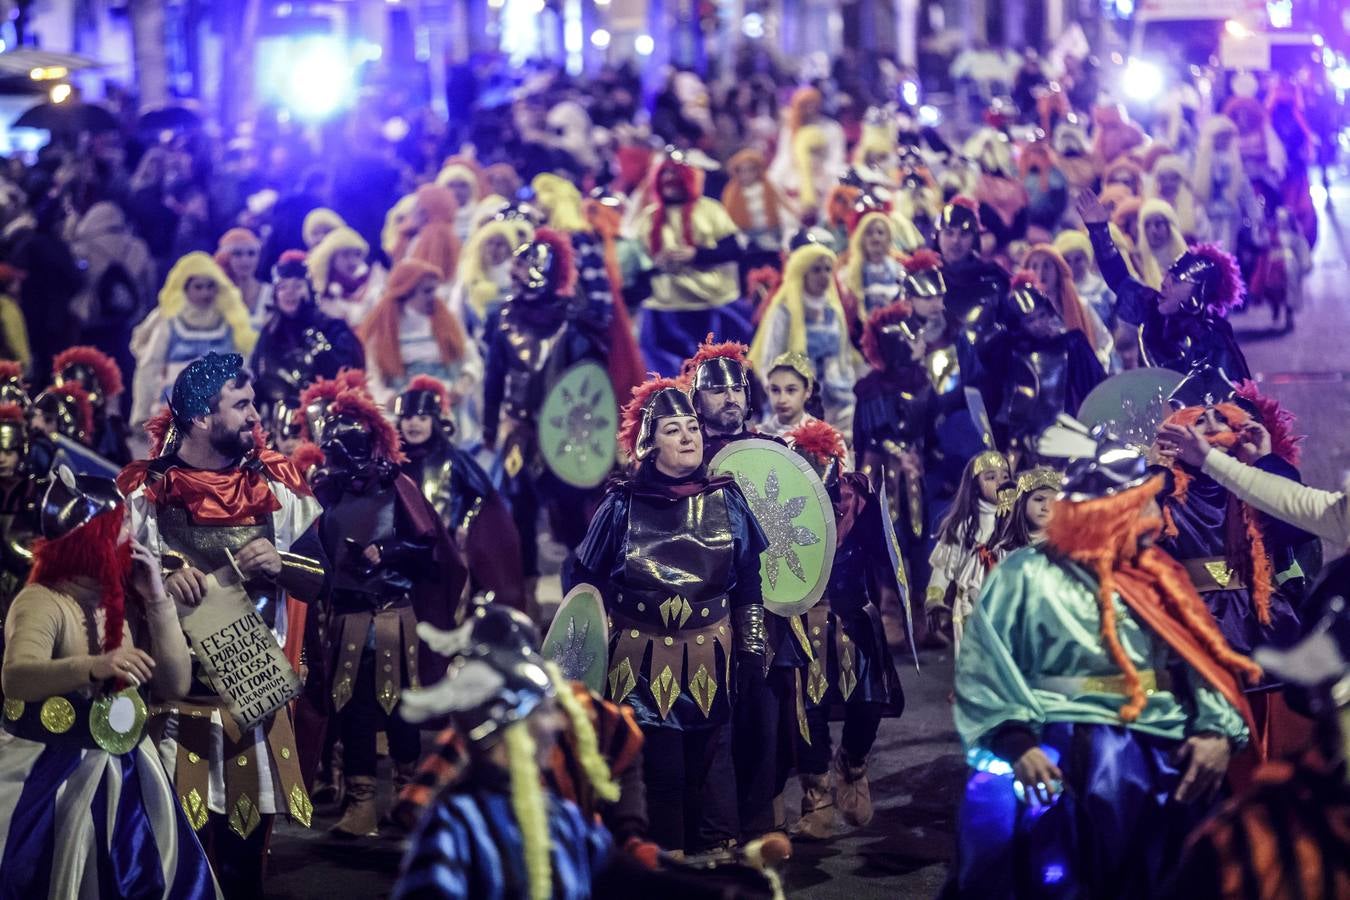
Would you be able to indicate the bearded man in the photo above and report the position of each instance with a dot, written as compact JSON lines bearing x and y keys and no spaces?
{"x":215,"y":498}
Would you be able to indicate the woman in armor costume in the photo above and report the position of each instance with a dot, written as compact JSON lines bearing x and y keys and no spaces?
{"x":80,"y":662}
{"x":462,"y":494}
{"x":850,"y":668}
{"x":675,"y":555}
{"x":1183,"y":324}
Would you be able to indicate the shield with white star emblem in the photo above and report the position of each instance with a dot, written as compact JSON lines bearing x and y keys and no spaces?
{"x":578,"y":639}
{"x":793,"y":508}
{"x":577,"y":426}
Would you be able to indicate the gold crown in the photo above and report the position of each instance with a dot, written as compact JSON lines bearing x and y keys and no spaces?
{"x":989,"y":459}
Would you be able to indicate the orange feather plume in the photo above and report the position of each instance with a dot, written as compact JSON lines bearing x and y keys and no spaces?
{"x":630,"y":426}
{"x":819,"y":439}
{"x":871,"y":339}
{"x":708,"y":350}
{"x":9,"y":369}
{"x":12,"y":412}
{"x":359,"y":406}
{"x":306,"y":456}
{"x":923,"y":259}
{"x":432,"y":385}
{"x":106,"y":371}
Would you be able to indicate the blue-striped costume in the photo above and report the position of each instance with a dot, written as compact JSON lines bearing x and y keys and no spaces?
{"x":470,"y":846}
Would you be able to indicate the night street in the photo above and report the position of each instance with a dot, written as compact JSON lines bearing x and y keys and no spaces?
{"x":916,"y":768}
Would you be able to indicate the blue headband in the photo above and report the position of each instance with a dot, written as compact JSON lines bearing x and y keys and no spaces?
{"x":198,"y":384}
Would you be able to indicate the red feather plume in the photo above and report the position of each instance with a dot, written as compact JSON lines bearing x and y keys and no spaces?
{"x":306,"y":456}
{"x":871,"y":341}
{"x":106,"y":371}
{"x":761,"y":282}
{"x":1025,"y":278}
{"x":9,"y":369}
{"x":1284,"y":442}
{"x":819,"y":439}
{"x":157,"y":427}
{"x":565,"y":271}
{"x":1232,"y":291}
{"x":631,"y":424}
{"x":708,"y":350}
{"x":434,"y":385}
{"x":359,"y":406}
{"x":966,"y":203}
{"x":923,"y":259}
{"x":12,"y":412}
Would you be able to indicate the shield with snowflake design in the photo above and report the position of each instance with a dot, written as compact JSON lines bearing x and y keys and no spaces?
{"x":794,"y":509}
{"x":1131,"y":404}
{"x":578,"y":639}
{"x":577,"y":426}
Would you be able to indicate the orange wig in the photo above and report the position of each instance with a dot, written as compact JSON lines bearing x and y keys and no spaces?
{"x":380,"y":330}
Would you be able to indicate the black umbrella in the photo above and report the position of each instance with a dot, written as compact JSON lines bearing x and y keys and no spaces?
{"x":67,"y":118}
{"x":169,"y":118}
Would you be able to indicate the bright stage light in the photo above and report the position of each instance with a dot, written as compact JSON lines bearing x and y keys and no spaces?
{"x":644,"y":45}
{"x":600,"y":38}
{"x":320,"y":78}
{"x":60,"y":93}
{"x":1143,"y":80}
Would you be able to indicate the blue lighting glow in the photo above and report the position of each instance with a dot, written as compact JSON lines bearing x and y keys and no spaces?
{"x":1052,"y":874}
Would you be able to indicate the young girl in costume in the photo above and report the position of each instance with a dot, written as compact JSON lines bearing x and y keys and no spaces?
{"x":963,"y":541}
{"x":1029,"y":510}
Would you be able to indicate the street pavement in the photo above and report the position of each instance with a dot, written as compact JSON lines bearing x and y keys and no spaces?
{"x":916,"y":768}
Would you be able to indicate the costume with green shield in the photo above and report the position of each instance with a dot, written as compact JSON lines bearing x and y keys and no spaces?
{"x":676,"y":561}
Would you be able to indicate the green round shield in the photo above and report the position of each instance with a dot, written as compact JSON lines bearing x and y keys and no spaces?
{"x":1131,"y":404}
{"x":578,"y":639}
{"x":578,"y":424}
{"x":792,"y":506}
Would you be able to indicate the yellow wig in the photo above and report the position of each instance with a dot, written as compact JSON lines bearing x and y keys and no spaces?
{"x":391,"y":235}
{"x":561,"y":200}
{"x":1185,"y":200}
{"x":808,"y":139}
{"x":530,"y":807}
{"x":790,"y":296}
{"x":586,"y":742}
{"x":478,"y":288}
{"x":851,"y":272}
{"x":459,"y":173}
{"x":173,"y":296}
{"x":875,"y":139}
{"x":1155,"y":264}
{"x":316,"y":221}
{"x":319,"y":258}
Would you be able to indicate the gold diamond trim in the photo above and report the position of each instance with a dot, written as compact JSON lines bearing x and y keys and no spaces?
{"x":14,"y":709}
{"x":621,"y":680}
{"x":195,"y":808}
{"x":244,"y":817}
{"x":302,"y":810}
{"x":704,"y":689}
{"x":816,"y":683}
{"x":665,"y":688}
{"x":1220,"y":572}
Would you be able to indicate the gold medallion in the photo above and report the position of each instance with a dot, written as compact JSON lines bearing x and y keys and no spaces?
{"x":57,"y":715}
{"x":117,"y":721}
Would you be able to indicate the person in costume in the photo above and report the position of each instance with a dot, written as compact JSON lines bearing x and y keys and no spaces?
{"x":497,"y":831}
{"x":1221,"y":184}
{"x":1286,"y":830}
{"x":670,"y":533}
{"x":484,"y":277}
{"x":873,"y":273}
{"x":1046,"y":187}
{"x":1037,"y":368}
{"x":975,"y":287}
{"x":893,"y":427}
{"x":199,"y":312}
{"x":1001,"y":197}
{"x":298,"y":342}
{"x":65,"y":411}
{"x":693,"y":245}
{"x":411,"y":332}
{"x":1075,"y":248}
{"x":317,"y":225}
{"x":599,"y":766}
{"x":470,"y":506}
{"x":1169,"y":181}
{"x":1093,"y":675}
{"x":537,"y":336}
{"x":466,"y":186}
{"x":1056,"y":280}
{"x":850,"y":664}
{"x":960,"y":560}
{"x":344,"y":283}
{"x":212,"y":489}
{"x":88,"y":642}
{"x":1029,"y":512}
{"x":1183,"y":324}
{"x":20,"y":506}
{"x":1243,"y":563}
{"x":432,"y":225}
{"x":790,"y":385}
{"x":804,"y":112}
{"x":100,"y":378}
{"x":392,"y":566}
{"x":719,"y":380}
{"x":756,"y":206}
{"x":237,"y":255}
{"x":13,"y":328}
{"x":1161,"y":241}
{"x":806,"y":316}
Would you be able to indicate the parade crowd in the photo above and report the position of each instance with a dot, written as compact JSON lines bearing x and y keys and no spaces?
{"x":795,"y":393}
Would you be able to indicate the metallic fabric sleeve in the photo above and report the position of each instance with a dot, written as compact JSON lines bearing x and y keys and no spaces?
{"x":751,"y":637}
{"x":301,"y":577}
